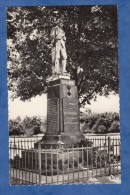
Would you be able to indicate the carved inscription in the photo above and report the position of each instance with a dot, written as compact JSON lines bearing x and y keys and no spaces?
{"x":70,"y":115}
{"x":52,"y":116}
{"x":70,"y":105}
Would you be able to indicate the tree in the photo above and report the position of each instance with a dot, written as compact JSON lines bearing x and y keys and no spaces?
{"x":101,"y":123}
{"x":36,"y":125}
{"x":84,"y":114}
{"x":15,"y":127}
{"x":31,"y":125}
{"x":91,"y":33}
{"x":10,"y":127}
{"x":115,"y":127}
{"x":101,"y":129}
{"x":44,"y":125}
{"x":28,"y":126}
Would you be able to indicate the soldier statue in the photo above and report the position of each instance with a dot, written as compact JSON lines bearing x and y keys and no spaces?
{"x":59,"y":54}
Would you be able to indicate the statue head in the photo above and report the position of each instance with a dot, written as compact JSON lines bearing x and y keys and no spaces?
{"x":60,"y":23}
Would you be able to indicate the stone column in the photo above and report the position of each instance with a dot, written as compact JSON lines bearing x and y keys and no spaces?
{"x":63,"y":125}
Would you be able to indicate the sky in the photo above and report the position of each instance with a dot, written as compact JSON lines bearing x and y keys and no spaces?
{"x":38,"y":106}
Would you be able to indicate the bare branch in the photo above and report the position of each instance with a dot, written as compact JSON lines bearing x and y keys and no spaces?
{"x":86,"y":99}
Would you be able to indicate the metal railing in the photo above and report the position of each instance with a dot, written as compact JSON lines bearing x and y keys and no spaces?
{"x":63,"y":165}
{"x":26,"y":140}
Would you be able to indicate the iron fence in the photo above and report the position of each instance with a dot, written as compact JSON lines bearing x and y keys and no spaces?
{"x":62,"y":165}
{"x":28,"y":141}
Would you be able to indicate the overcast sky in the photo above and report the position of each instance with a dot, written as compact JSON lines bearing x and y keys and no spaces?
{"x":38,"y":106}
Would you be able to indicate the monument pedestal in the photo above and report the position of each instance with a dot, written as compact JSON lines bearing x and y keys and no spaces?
{"x":63,"y":129}
{"x":63,"y":125}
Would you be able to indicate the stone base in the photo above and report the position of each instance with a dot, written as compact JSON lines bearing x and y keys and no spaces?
{"x":60,"y":76}
{"x":64,"y":140}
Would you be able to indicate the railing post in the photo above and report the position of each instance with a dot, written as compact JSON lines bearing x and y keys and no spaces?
{"x":109,"y":148}
{"x":39,"y":162}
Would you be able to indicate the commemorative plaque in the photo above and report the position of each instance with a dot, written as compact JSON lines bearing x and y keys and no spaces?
{"x":53,"y":116}
{"x":70,"y":115}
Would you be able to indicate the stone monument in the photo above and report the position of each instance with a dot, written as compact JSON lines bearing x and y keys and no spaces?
{"x":63,"y":125}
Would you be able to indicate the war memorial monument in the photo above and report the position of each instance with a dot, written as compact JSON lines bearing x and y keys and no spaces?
{"x":63,"y":125}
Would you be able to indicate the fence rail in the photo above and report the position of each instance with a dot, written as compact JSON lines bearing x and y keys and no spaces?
{"x":61,"y":165}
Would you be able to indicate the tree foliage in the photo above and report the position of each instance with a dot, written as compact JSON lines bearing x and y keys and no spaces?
{"x":101,"y":123}
{"x":115,"y":127}
{"x":91,"y":33}
{"x":15,"y":127}
{"x":28,"y":126}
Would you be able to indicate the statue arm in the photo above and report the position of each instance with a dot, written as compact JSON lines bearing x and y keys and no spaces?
{"x":57,"y":36}
{"x":64,"y":38}
{"x":53,"y":37}
{"x":61,"y":37}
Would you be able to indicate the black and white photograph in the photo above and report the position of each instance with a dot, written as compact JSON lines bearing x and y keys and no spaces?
{"x":63,"y":95}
